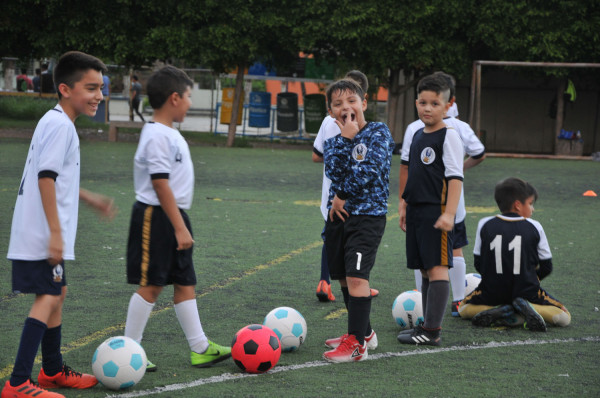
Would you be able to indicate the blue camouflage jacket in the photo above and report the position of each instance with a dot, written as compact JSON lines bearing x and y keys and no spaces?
{"x":359,"y":169}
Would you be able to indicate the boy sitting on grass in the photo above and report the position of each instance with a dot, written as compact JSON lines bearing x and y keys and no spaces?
{"x":512,"y":255}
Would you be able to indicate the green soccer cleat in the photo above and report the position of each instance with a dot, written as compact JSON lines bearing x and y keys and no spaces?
{"x":150,"y":367}
{"x":214,"y":353}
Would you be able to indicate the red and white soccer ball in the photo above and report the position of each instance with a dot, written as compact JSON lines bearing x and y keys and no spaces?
{"x":471,"y":282}
{"x":255,"y":348}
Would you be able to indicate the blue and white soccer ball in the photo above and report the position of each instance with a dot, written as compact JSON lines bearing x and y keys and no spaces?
{"x":471,"y":282}
{"x":289,"y":325}
{"x":407,"y":309}
{"x":119,"y":362}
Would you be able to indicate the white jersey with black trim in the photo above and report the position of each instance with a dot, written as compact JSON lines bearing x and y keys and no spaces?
{"x":54,"y":148}
{"x":163,"y":150}
{"x":327,"y":130}
{"x":471,"y":144}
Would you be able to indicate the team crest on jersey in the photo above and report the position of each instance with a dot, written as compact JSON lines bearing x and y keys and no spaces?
{"x":427,"y":155}
{"x":57,"y":273}
{"x":359,"y":152}
{"x":178,"y":156}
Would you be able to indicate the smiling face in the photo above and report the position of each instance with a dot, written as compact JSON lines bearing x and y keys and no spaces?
{"x":84,"y":96}
{"x":348,"y":106}
{"x":432,"y":108}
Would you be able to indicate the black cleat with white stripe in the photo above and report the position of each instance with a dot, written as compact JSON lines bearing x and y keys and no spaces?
{"x":421,"y":336}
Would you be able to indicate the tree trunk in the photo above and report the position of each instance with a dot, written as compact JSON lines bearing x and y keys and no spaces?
{"x":395,"y":110}
{"x":237,"y":100}
{"x":560,"y":112}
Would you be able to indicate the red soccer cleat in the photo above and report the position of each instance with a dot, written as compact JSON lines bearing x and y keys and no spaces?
{"x":324,"y":292}
{"x":66,"y":378}
{"x":27,"y":390}
{"x":349,"y":350}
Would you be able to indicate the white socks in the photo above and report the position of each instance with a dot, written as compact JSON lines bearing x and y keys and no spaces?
{"x":457,"y":278}
{"x":189,"y":319}
{"x":137,"y":317}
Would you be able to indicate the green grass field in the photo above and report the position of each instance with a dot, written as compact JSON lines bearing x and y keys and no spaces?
{"x":257,"y":231}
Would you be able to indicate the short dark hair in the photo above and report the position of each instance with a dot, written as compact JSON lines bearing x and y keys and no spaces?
{"x":449,"y":81}
{"x":344,"y":85}
{"x":71,"y":67}
{"x":360,"y":78}
{"x":511,"y":189}
{"x":23,"y":71}
{"x":164,"y":82}
{"x":435,"y":83}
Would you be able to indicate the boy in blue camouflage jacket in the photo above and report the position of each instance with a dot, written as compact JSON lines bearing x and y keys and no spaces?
{"x":358,"y":163}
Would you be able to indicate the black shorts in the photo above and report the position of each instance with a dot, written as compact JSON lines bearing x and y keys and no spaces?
{"x":426,"y":246}
{"x":459,"y":235}
{"x":152,"y":255}
{"x":38,"y":277}
{"x":351,"y":246}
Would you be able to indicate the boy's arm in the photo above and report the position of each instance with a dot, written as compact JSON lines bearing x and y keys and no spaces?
{"x":402,"y":203}
{"x":48,"y":195}
{"x":103,"y":204}
{"x":446,"y":220}
{"x":169,"y":205}
{"x":336,"y":154}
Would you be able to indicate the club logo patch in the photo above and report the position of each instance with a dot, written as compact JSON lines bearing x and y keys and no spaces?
{"x":428,"y":155}
{"x":57,"y":273}
{"x":359,"y":152}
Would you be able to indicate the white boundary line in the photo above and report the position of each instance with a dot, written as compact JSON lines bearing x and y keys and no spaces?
{"x":236,"y":376}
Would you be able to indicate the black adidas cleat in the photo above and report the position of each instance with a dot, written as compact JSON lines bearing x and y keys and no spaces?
{"x":499,"y":316}
{"x":533,"y":320}
{"x":421,"y":336}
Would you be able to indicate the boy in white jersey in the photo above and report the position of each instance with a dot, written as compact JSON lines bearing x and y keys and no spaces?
{"x":159,"y":251}
{"x":45,"y":224}
{"x":475,"y":152}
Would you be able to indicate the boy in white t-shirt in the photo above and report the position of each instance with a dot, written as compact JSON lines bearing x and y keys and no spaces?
{"x":159,"y":251}
{"x":329,"y":129}
{"x":44,"y":226}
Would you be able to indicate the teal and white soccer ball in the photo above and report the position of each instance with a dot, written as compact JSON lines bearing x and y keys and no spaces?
{"x":119,"y":362}
{"x":289,"y":325}
{"x":471,"y":283}
{"x":407,"y":309}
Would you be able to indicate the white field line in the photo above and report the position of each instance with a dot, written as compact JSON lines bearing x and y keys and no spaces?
{"x":236,"y":376}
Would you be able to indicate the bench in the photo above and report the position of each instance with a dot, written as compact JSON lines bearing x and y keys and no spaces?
{"x":114,"y":125}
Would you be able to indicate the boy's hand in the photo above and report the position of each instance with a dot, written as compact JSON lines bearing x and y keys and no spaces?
{"x":184,"y":239}
{"x":349,"y":128}
{"x":55,"y":248}
{"x":445,"y":222}
{"x":402,"y":215}
{"x":104,"y":205}
{"x":337,"y":209}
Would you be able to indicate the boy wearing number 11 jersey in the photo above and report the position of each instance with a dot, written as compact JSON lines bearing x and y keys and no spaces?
{"x":512,"y":255}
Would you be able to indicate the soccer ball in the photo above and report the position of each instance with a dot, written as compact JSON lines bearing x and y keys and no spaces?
{"x":471,"y":283}
{"x":289,"y":325}
{"x":255,"y":349}
{"x":119,"y":362}
{"x":407,"y":309}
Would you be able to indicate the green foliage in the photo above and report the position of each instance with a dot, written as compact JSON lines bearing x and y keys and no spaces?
{"x":25,"y":108}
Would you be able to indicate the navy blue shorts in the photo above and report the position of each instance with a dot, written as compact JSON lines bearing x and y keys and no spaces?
{"x":352,"y":245}
{"x":459,"y":235}
{"x":426,"y":246}
{"x":152,"y":255}
{"x":38,"y":277}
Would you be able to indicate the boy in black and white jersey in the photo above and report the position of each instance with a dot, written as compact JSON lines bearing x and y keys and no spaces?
{"x":428,"y":205}
{"x":159,"y":250}
{"x":512,"y":255}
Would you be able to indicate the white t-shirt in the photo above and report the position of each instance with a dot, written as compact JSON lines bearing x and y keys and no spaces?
{"x":328,"y":130}
{"x":453,"y":111}
{"x":471,"y":145}
{"x":163,"y":150}
{"x":55,"y":148}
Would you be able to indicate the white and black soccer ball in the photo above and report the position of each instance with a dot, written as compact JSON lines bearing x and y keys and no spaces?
{"x":289,"y":325}
{"x":471,"y":282}
{"x":119,"y":362}
{"x":407,"y":309}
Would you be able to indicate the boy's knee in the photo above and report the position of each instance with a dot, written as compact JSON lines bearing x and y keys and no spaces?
{"x":561,"y":319}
